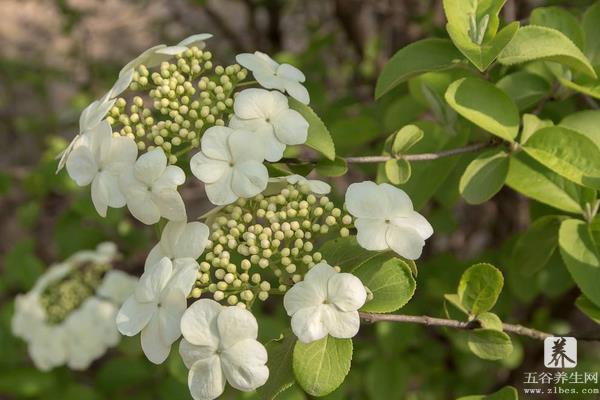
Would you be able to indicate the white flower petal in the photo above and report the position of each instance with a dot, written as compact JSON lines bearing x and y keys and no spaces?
{"x":171,"y":50}
{"x":249,"y":179}
{"x":405,"y":241}
{"x":171,"y":177}
{"x":122,"y":155}
{"x":117,"y":286}
{"x":173,"y":303}
{"x":290,"y":72}
{"x":155,"y":255}
{"x":205,"y":379}
{"x":170,"y":204}
{"x":365,"y":199}
{"x":220,"y":192}
{"x":290,"y":127}
{"x":346,"y":292}
{"x":150,"y":166}
{"x":417,"y":222}
{"x":122,"y":83}
{"x":184,"y":274}
{"x":236,"y":324}
{"x":206,"y":169}
{"x":244,"y":147}
{"x":191,"y":353}
{"x":297,"y":91}
{"x":318,"y":276}
{"x":398,"y":201}
{"x":155,"y":349}
{"x":139,"y":199}
{"x":371,"y":233}
{"x":244,"y":365}
{"x":300,"y":296}
{"x":340,"y":324}
{"x":214,"y":143}
{"x":199,"y":323}
{"x":153,"y":281}
{"x":181,"y":239}
{"x":81,"y":165}
{"x":195,"y":40}
{"x":256,"y":62}
{"x":254,"y":103}
{"x":267,"y":80}
{"x":106,"y":192}
{"x":134,"y":316}
{"x":319,"y":187}
{"x":308,"y":325}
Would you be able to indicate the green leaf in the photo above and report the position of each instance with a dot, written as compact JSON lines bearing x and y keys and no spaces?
{"x":423,"y":56}
{"x":588,"y":308}
{"x":540,"y":43}
{"x":391,"y":283}
{"x":531,"y":178}
{"x":473,"y":27}
{"x":346,"y":253}
{"x":586,"y":122}
{"x":559,"y":19}
{"x":321,"y":366}
{"x":591,"y":29}
{"x":484,"y":176}
{"x":455,"y":301}
{"x":532,"y":124}
{"x":406,"y":138}
{"x":581,"y":256}
{"x":490,"y":320}
{"x":485,"y":105}
{"x":337,"y":167}
{"x":281,"y":374}
{"x":21,"y":266}
{"x":319,"y":137}
{"x":536,"y":245}
{"x":479,"y":288}
{"x":506,"y":393}
{"x":568,"y":153}
{"x":397,"y":171}
{"x":524,"y":88}
{"x":489,"y":344}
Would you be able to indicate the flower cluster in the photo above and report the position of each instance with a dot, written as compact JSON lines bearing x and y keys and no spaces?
{"x":68,"y":317}
{"x":263,"y":237}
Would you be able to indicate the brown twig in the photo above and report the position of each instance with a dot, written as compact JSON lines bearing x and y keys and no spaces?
{"x":452,"y":323}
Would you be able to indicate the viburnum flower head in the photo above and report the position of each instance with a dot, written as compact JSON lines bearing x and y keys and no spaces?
{"x":268,"y":115}
{"x":99,"y":158}
{"x":156,"y":307}
{"x":150,"y":188}
{"x":325,"y":303}
{"x":230,"y":164}
{"x":385,"y":219}
{"x":219,"y":345}
{"x":181,"y":242}
{"x":272,"y":75}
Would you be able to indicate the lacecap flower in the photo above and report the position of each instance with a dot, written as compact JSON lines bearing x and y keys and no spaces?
{"x":268,"y":115}
{"x":219,"y":345}
{"x":272,"y":75}
{"x":150,"y":188}
{"x":325,"y":303}
{"x":156,"y":307}
{"x":230,"y":164}
{"x":385,"y":219}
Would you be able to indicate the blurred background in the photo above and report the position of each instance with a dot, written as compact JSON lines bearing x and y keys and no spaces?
{"x":56,"y":56}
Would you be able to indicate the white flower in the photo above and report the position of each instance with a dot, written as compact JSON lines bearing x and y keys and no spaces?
{"x":116,"y":286}
{"x":314,"y":185}
{"x":267,"y":114}
{"x":385,"y":219}
{"x":230,"y":164}
{"x":150,"y":188}
{"x":325,"y":303}
{"x":48,"y":348}
{"x":98,"y":158}
{"x":181,"y":242}
{"x":272,"y":75}
{"x":89,"y":119}
{"x":153,"y":57}
{"x":220,"y":346}
{"x":156,"y":307}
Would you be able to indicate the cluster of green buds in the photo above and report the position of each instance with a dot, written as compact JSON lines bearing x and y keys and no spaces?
{"x":175,"y":104}
{"x":60,"y":298}
{"x":265,"y":244}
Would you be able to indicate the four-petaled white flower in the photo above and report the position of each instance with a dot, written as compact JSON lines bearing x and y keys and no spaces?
{"x":325,"y":303}
{"x":156,"y":306}
{"x":181,"y":242}
{"x":385,"y":219}
{"x":268,"y":115}
{"x":89,"y":119}
{"x":99,"y":158}
{"x":230,"y":164}
{"x":219,"y":345}
{"x":150,"y":188}
{"x":272,"y":75}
